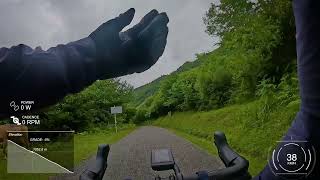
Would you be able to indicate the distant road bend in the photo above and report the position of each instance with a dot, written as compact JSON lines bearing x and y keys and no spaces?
{"x":130,"y":157}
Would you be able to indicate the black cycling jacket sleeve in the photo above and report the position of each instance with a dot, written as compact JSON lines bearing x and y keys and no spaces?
{"x":45,"y":77}
{"x":306,"y":125}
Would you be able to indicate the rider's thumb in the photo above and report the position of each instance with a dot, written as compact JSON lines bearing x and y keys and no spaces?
{"x":124,"y":19}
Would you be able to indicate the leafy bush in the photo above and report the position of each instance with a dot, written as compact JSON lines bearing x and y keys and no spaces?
{"x":273,"y":96}
{"x":214,"y":88}
{"x":288,"y":89}
{"x":279,"y":94}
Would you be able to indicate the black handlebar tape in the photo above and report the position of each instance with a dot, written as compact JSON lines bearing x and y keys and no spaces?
{"x":236,"y":165}
{"x":97,"y":171}
{"x":227,"y":155}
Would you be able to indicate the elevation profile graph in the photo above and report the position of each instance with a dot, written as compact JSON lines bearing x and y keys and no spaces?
{"x":45,"y":152}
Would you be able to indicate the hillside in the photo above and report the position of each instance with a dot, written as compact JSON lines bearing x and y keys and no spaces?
{"x":143,"y":92}
{"x":147,"y":90}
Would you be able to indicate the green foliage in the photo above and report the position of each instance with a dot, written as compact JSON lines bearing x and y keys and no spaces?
{"x":214,"y":87}
{"x":181,"y":94}
{"x":225,"y":16}
{"x":159,"y":104}
{"x":272,"y":95}
{"x":140,"y":116}
{"x":90,"y":107}
{"x":283,"y":93}
{"x":142,"y":93}
{"x":288,"y":90}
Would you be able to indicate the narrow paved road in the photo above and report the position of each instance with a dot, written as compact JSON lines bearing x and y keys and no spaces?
{"x":130,"y":157}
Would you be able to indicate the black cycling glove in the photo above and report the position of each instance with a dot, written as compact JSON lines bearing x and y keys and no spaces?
{"x":135,"y":50}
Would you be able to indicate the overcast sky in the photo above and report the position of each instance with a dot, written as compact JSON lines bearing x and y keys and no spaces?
{"x":47,"y":23}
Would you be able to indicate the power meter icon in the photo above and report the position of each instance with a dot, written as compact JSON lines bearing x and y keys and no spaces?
{"x":293,"y":159}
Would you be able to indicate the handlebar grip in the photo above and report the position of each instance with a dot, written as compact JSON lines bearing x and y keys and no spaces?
{"x":236,"y":165}
{"x":97,"y":171}
{"x":226,"y":154}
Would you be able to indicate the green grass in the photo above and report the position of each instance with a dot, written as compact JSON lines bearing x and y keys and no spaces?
{"x":85,"y":145}
{"x":250,"y":131}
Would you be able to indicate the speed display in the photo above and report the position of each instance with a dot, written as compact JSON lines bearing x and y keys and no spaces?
{"x":293,"y":159}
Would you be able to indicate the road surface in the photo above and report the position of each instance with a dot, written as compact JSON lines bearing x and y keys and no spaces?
{"x":130,"y":157}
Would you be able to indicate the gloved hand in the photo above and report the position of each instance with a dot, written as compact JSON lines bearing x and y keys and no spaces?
{"x":135,"y":50}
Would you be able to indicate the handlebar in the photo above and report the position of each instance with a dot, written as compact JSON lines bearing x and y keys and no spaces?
{"x":236,"y":165}
{"x":97,"y":171}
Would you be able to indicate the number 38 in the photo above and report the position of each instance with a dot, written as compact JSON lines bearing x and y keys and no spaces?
{"x":291,"y":157}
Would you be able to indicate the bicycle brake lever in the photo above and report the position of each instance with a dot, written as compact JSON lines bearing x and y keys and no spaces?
{"x":97,"y":171}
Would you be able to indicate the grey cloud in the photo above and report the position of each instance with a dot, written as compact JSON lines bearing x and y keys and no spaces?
{"x":51,"y":22}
